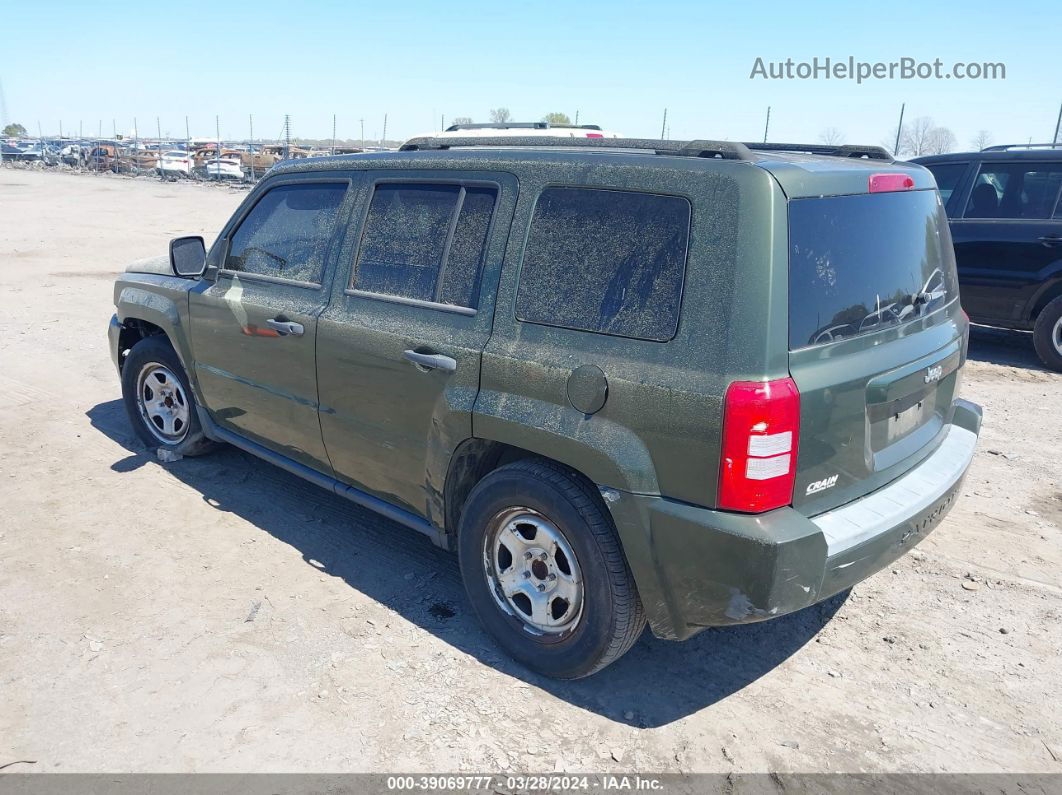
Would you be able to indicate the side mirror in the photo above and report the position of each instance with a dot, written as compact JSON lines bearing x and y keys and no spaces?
{"x":188,"y":256}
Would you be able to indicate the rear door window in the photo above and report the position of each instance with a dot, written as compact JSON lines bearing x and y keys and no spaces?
{"x":425,"y":242}
{"x":1015,"y":191}
{"x":286,"y":235}
{"x":859,"y":264}
{"x":605,"y":261}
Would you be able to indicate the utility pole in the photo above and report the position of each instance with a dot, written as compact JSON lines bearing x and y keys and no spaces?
{"x":250,"y":130}
{"x":442,"y":122}
{"x":287,"y":136}
{"x":1054,"y":140}
{"x":899,"y":130}
{"x":577,"y":118}
{"x":384,"y":136}
{"x":767,"y":126}
{"x":333,"y":133}
{"x":362,"y":122}
{"x":663,"y":125}
{"x":187,"y":136}
{"x":217,"y":149}
{"x":158,"y":151}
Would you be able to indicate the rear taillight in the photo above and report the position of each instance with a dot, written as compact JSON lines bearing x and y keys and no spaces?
{"x":761,"y":430}
{"x":884,"y":183}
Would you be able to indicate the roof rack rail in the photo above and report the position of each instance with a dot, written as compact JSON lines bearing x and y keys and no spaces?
{"x":728,"y":150}
{"x":869,"y":152}
{"x":520,"y":125}
{"x":1008,"y":147}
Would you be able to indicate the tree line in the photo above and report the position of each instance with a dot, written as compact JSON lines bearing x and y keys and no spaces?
{"x":922,"y":136}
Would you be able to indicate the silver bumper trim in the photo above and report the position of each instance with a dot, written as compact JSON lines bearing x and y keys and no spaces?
{"x":907,"y":496}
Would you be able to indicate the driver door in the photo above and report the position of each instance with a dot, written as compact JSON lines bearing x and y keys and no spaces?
{"x":254,"y":326}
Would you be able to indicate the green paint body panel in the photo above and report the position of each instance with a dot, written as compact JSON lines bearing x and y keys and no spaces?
{"x":345,"y":408}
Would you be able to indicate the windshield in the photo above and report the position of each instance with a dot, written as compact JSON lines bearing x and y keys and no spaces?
{"x":858,"y":264}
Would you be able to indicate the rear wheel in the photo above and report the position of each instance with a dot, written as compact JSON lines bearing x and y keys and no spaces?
{"x":1047,"y":335}
{"x":545,"y":572}
{"x":159,"y":401}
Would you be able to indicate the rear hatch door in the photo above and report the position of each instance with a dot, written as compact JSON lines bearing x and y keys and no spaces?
{"x":876,"y":338}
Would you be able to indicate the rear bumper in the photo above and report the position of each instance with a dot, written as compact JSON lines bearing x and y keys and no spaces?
{"x":698,"y":568}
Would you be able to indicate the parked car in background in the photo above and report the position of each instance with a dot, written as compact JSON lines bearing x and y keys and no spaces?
{"x":176,"y":163}
{"x":73,"y":154}
{"x":696,"y":383}
{"x":32,"y":152}
{"x":258,"y":160}
{"x":1006,"y":221}
{"x":102,"y":157}
{"x":137,"y":161}
{"x":227,"y":167}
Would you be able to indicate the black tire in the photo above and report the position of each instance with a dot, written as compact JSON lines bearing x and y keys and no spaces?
{"x":1046,"y":335}
{"x":611,"y":617}
{"x":153,"y":351}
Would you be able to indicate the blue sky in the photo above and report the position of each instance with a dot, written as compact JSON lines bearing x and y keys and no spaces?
{"x":618,"y":63}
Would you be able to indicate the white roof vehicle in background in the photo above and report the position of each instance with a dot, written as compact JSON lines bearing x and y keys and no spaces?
{"x":524,"y":129}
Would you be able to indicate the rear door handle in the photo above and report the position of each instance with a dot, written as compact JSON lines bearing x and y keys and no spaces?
{"x":432,"y":361}
{"x":286,"y":327}
{"x":1051,"y":240}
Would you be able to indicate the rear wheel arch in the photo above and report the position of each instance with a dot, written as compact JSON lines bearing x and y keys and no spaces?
{"x":472,"y":461}
{"x":1046,"y":296}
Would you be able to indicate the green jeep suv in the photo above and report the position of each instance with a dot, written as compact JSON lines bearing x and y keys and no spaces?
{"x":694,"y":384}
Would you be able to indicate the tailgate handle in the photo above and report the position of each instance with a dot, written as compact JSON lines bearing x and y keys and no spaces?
{"x":432,"y":361}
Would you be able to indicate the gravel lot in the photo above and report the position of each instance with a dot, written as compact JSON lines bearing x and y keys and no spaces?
{"x":219,"y":614}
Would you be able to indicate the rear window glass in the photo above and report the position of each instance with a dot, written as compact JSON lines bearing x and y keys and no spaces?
{"x":858,"y":264}
{"x":606,"y":261}
{"x":425,"y":242}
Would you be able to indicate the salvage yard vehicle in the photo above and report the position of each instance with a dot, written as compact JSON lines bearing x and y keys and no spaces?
{"x":1005,"y":206}
{"x":226,"y":167}
{"x":691,"y":383}
{"x":176,"y":162}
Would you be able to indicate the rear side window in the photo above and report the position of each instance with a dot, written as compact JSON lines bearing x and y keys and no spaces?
{"x":606,"y":261}
{"x":947,"y":176}
{"x":858,"y":264}
{"x":1015,"y":190}
{"x":425,"y":242}
{"x":286,"y":235}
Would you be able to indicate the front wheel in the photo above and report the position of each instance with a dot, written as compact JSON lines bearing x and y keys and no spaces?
{"x":159,"y":400}
{"x":545,"y":572}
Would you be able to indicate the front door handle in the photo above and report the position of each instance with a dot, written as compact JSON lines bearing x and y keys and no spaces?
{"x":286,"y":327}
{"x":432,"y":361}
{"x":1051,"y":240}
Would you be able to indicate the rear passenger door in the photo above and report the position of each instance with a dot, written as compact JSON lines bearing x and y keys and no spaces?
{"x":399,"y":345}
{"x":1008,"y":240}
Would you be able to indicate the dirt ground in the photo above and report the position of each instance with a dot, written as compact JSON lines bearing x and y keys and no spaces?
{"x":218,"y":614}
